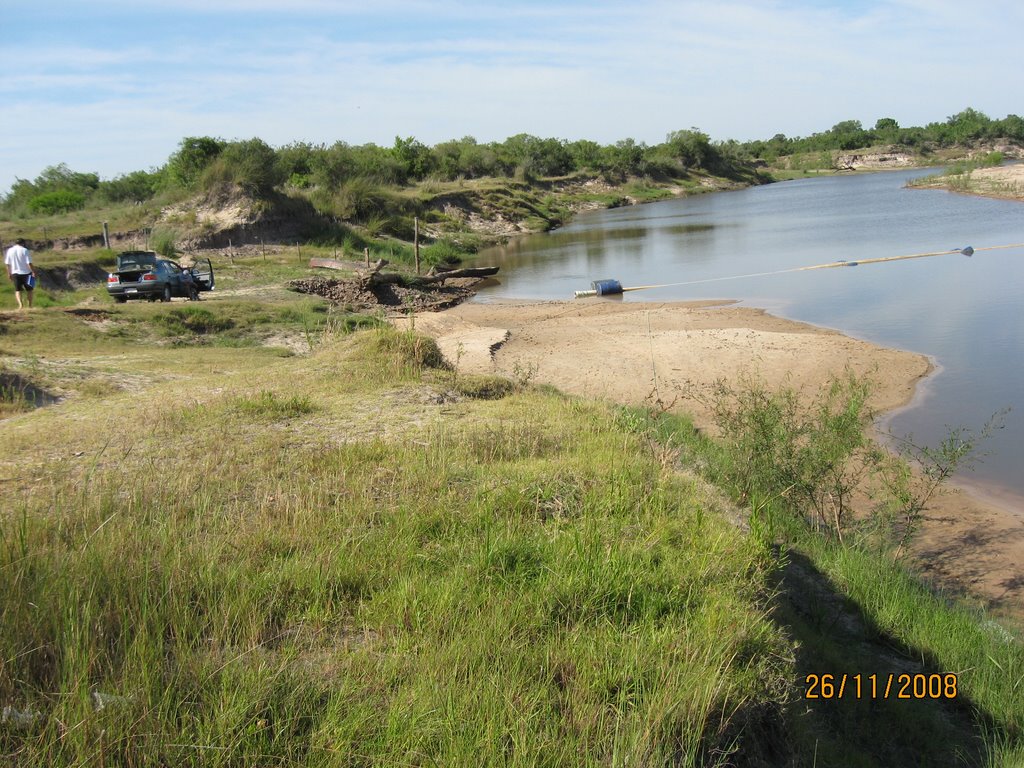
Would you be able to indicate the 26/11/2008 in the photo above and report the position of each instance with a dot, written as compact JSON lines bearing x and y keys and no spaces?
{"x":885,"y":686}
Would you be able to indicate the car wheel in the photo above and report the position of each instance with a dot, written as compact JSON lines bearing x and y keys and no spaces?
{"x":167,"y":293}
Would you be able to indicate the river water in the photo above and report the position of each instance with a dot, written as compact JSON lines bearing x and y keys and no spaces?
{"x":967,"y":314}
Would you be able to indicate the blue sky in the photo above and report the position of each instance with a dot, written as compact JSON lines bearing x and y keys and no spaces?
{"x":112,"y":86}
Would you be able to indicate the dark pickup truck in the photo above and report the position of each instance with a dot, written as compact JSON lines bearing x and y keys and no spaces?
{"x":147,"y":275}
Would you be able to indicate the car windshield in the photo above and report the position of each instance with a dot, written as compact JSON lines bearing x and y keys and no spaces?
{"x":127,"y":261}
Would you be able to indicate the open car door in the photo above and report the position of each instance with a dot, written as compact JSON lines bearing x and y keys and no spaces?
{"x":202,"y":273}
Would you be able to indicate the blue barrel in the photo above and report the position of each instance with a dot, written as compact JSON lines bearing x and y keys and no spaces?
{"x":606,"y":287}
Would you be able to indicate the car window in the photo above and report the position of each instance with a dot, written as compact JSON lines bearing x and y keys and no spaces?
{"x":129,"y":261}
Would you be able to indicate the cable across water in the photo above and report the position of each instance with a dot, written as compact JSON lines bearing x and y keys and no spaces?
{"x":613,"y":284}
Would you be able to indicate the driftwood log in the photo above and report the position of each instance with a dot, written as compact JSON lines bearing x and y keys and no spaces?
{"x":440,"y":277}
{"x":372,"y":276}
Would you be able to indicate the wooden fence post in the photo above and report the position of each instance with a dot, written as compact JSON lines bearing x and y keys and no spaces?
{"x":416,"y":241}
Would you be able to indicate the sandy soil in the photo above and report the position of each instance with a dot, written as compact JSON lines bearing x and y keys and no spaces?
{"x":1004,"y":181}
{"x":639,"y":352}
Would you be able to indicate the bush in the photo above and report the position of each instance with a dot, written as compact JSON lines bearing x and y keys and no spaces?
{"x":484,"y":387}
{"x":165,"y":243}
{"x":58,"y":201}
{"x":813,"y":457}
{"x":267,"y":405}
{"x":445,"y":252}
{"x":253,"y":166}
{"x":193,"y":320}
{"x":132,"y":187}
{"x":359,"y":199}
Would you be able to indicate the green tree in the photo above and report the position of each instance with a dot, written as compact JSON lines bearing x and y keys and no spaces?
{"x":1010,"y":127}
{"x":968,"y":125}
{"x":624,"y":158}
{"x":252,"y":165}
{"x":586,"y":155}
{"x":531,"y":156}
{"x":887,"y":130}
{"x":415,"y":157}
{"x":59,"y":188}
{"x":185,"y":167}
{"x":131,"y":187}
{"x":56,"y":177}
{"x":848,"y":134}
{"x":331,"y":167}
{"x":691,"y":149}
{"x":379,"y":165}
{"x":57,"y":201}
{"x":296,"y":161}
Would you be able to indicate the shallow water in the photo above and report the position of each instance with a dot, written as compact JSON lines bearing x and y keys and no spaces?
{"x":966,"y":313}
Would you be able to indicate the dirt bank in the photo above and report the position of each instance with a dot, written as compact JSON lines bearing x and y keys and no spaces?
{"x":636,"y":352}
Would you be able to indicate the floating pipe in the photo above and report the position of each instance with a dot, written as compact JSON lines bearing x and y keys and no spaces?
{"x":966,"y":251}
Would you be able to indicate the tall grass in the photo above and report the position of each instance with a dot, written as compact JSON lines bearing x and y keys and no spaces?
{"x":848,"y":600}
{"x":520,"y":586}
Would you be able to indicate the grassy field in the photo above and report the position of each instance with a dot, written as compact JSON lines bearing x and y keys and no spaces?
{"x":260,"y":531}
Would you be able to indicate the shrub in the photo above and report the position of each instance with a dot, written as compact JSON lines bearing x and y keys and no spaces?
{"x":813,"y":457}
{"x":186,"y":166}
{"x":253,"y":166}
{"x":484,"y":386}
{"x":267,"y":405}
{"x":409,"y":349}
{"x":194,"y":320}
{"x":165,"y":243}
{"x":445,"y":252}
{"x":58,"y":201}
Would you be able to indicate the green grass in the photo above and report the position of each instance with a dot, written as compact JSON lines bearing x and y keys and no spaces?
{"x":851,"y":607}
{"x":354,"y":555}
{"x":275,"y":578}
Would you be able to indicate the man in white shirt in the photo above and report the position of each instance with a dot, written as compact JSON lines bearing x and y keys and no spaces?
{"x":19,"y":268}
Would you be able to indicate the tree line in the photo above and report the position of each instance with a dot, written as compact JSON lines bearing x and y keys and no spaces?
{"x":206,"y":163}
{"x":966,"y":127}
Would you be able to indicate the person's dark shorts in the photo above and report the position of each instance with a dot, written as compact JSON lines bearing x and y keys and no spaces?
{"x":21,"y":282}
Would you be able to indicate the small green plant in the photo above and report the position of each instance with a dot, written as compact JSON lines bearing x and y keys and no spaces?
{"x":406,"y":352}
{"x":908,"y":498}
{"x":164,"y":242}
{"x":814,"y":458}
{"x":811,"y":462}
{"x":193,"y":320}
{"x":15,"y":395}
{"x":524,"y":373}
{"x":268,"y":405}
{"x":484,"y":387}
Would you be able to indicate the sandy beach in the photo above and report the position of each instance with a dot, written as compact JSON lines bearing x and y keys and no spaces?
{"x":631,"y":352}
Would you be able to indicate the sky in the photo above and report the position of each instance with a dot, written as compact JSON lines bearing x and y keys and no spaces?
{"x":112,"y":86}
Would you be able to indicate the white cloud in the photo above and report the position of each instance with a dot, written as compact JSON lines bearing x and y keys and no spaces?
{"x":443,"y":70}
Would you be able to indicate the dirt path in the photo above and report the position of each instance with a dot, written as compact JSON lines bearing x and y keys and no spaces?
{"x":637,"y":352}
